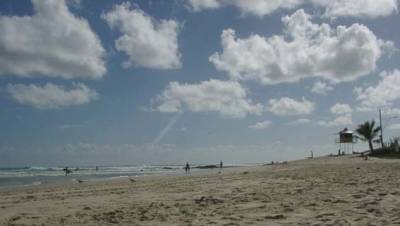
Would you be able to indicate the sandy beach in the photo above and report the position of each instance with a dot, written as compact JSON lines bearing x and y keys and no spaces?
{"x":323,"y":191}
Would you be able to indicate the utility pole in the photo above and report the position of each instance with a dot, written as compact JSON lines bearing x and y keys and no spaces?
{"x":380,"y":125}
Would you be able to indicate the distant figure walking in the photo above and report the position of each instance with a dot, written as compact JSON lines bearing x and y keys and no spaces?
{"x":312,"y":154}
{"x":187,"y":168}
{"x":221,"y":165}
{"x":67,"y":171}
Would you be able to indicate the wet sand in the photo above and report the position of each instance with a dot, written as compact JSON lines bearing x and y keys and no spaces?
{"x":324,"y":191}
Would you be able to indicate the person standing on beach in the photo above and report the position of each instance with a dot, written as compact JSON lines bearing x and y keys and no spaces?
{"x":221,"y":165}
{"x":67,"y":171}
{"x":187,"y":167}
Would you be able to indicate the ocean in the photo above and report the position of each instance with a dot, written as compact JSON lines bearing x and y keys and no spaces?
{"x":28,"y":176}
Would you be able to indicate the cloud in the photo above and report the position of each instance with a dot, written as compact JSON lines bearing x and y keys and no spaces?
{"x":261,"y":125}
{"x":52,"y":42}
{"x":332,"y":8}
{"x":51,"y":96}
{"x":394,"y":126}
{"x":261,"y":8}
{"x":321,"y":88}
{"x":306,"y":50}
{"x":228,"y":98}
{"x":199,"y":5}
{"x":382,"y":95}
{"x":357,"y":8}
{"x":147,"y":42}
{"x":286,"y":106}
{"x":300,"y":121}
{"x":342,"y":120}
{"x":258,"y":8}
{"x":343,"y":117}
{"x":340,"y":109}
{"x":167,"y":128}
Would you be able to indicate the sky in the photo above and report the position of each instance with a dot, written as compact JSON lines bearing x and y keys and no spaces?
{"x":165,"y":82}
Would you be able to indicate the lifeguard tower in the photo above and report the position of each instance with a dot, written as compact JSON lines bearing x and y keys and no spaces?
{"x":346,"y":141}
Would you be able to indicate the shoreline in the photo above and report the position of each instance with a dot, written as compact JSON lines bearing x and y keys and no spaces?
{"x":58,"y":177}
{"x":71,"y":180}
{"x":343,"y":190}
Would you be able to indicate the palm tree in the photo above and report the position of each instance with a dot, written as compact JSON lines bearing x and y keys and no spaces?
{"x":368,"y":131}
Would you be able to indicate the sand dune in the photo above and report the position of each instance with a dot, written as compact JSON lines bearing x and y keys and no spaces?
{"x":324,"y":191}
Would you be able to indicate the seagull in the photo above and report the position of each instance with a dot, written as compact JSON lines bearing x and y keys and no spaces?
{"x":132,"y":180}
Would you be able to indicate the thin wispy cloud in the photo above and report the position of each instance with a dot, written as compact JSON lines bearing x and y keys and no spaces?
{"x":261,"y":125}
{"x":167,"y":128}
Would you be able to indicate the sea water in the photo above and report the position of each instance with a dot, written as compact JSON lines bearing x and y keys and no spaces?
{"x":34,"y":175}
{"x":25,"y":176}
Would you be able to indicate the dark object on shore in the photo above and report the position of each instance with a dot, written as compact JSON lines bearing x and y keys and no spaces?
{"x":167,"y":167}
{"x":386,"y":152}
{"x":80,"y":181}
{"x":208,"y":200}
{"x":187,"y":167}
{"x":206,"y":167}
{"x":67,"y":171}
{"x":132,"y":180}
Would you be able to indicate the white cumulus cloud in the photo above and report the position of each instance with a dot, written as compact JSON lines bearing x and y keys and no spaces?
{"x":300,"y":121}
{"x":343,"y":116}
{"x":228,"y":98}
{"x":199,"y":5}
{"x":306,"y":50}
{"x":332,"y":8}
{"x":341,"y":120}
{"x":357,"y":8}
{"x":261,"y":125}
{"x":148,"y":42}
{"x":51,"y":96}
{"x":53,"y":42}
{"x":321,"y":88}
{"x":287,"y":106}
{"x":382,"y":95}
{"x":258,"y":8}
{"x":261,"y":8}
{"x":339,"y":109}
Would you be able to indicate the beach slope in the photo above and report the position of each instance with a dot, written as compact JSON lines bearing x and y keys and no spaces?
{"x":342,"y":190}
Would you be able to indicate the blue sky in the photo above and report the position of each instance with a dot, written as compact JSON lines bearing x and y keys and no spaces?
{"x":165,"y":82}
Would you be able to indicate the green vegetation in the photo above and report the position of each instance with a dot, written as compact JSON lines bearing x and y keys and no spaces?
{"x":391,"y":150}
{"x":368,"y":132}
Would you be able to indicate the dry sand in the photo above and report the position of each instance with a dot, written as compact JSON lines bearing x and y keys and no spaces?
{"x":324,"y":191}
